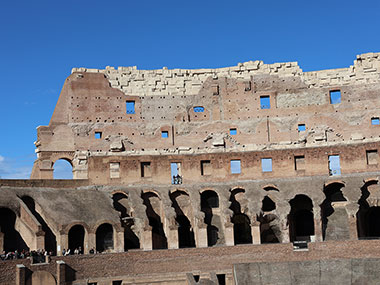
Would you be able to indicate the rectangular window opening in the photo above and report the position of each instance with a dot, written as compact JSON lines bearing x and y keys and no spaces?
{"x":299,"y":162}
{"x":301,"y":127}
{"x":175,"y":168}
{"x":233,"y":131}
{"x":235,"y":166}
{"x":199,"y":109}
{"x":164,"y":134}
{"x":205,"y":167}
{"x":375,"y":121}
{"x":335,"y":97}
{"x":130,"y":105}
{"x":334,"y":165}
{"x":117,"y":282}
{"x":221,"y":279}
{"x":372,"y":157}
{"x":266,"y":164}
{"x":145,"y":169}
{"x":98,"y":135}
{"x":264,"y":102}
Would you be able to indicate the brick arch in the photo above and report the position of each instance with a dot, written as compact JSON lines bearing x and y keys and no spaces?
{"x":328,"y":183}
{"x":115,"y":226}
{"x":66,"y":228}
{"x":120,"y":192}
{"x":153,"y":192}
{"x":179,"y":189}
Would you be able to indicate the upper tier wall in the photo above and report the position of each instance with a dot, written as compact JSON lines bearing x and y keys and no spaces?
{"x":130,"y":80}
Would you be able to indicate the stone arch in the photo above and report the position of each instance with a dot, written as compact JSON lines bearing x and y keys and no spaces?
{"x":63,"y":169}
{"x":270,"y":226}
{"x":50,"y":238}
{"x":333,"y":212}
{"x":10,"y":238}
{"x":241,"y":222}
{"x":155,"y":215}
{"x":301,"y":218}
{"x":104,"y":237}
{"x":76,"y":237}
{"x":41,"y":277}
{"x":210,"y":207}
{"x":184,"y":217}
{"x":120,"y":204}
{"x":368,"y":213}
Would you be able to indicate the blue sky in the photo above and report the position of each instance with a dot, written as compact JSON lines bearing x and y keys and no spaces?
{"x":42,"y":40}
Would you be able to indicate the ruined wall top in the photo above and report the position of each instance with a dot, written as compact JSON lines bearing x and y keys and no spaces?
{"x":130,"y":80}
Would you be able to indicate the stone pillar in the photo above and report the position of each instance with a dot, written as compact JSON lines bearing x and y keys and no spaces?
{"x":318,"y":229}
{"x":352,"y":210}
{"x":62,"y":243}
{"x":285,"y":237}
{"x":255,"y":230}
{"x":229,"y":234}
{"x":89,"y":243}
{"x":173,"y":241}
{"x":146,"y":239}
{"x":61,"y":272}
{"x":1,"y":241}
{"x":119,"y":241}
{"x":202,"y":235}
{"x":40,"y":240}
{"x":20,"y":274}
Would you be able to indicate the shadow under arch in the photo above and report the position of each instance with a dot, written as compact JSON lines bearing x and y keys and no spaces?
{"x":241,"y":222}
{"x":50,"y":238}
{"x":153,"y":211}
{"x":210,"y":207}
{"x":12,"y":239}
{"x":120,"y":204}
{"x":182,"y":207}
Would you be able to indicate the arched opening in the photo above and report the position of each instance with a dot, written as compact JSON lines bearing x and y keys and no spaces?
{"x":209,"y":205}
{"x":104,"y":238}
{"x":269,"y":223}
{"x":301,"y":219}
{"x":120,"y":204}
{"x":153,"y":212}
{"x":50,"y":239}
{"x":10,"y":239}
{"x":333,"y":213}
{"x":63,"y":169}
{"x":182,"y":206}
{"x":242,"y":224}
{"x":367,"y":216}
{"x":76,"y":238}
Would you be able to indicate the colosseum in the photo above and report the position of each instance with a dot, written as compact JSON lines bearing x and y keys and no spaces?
{"x":252,"y":174}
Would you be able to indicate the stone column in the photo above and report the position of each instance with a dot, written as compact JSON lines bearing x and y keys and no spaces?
{"x":173,"y":241}
{"x":255,"y":230}
{"x":119,"y":241}
{"x":62,"y":243}
{"x":283,"y":210}
{"x":40,"y":240}
{"x":229,"y":234}
{"x":1,"y":241}
{"x":89,"y":243}
{"x":20,"y":274}
{"x":352,"y":210}
{"x":61,"y":272}
{"x":201,"y":238}
{"x":146,"y":238}
{"x":318,"y":229}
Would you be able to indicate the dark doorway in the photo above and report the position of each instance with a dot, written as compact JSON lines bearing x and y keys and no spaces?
{"x":76,"y":238}
{"x":301,"y":218}
{"x":104,"y":238}
{"x":269,"y":223}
